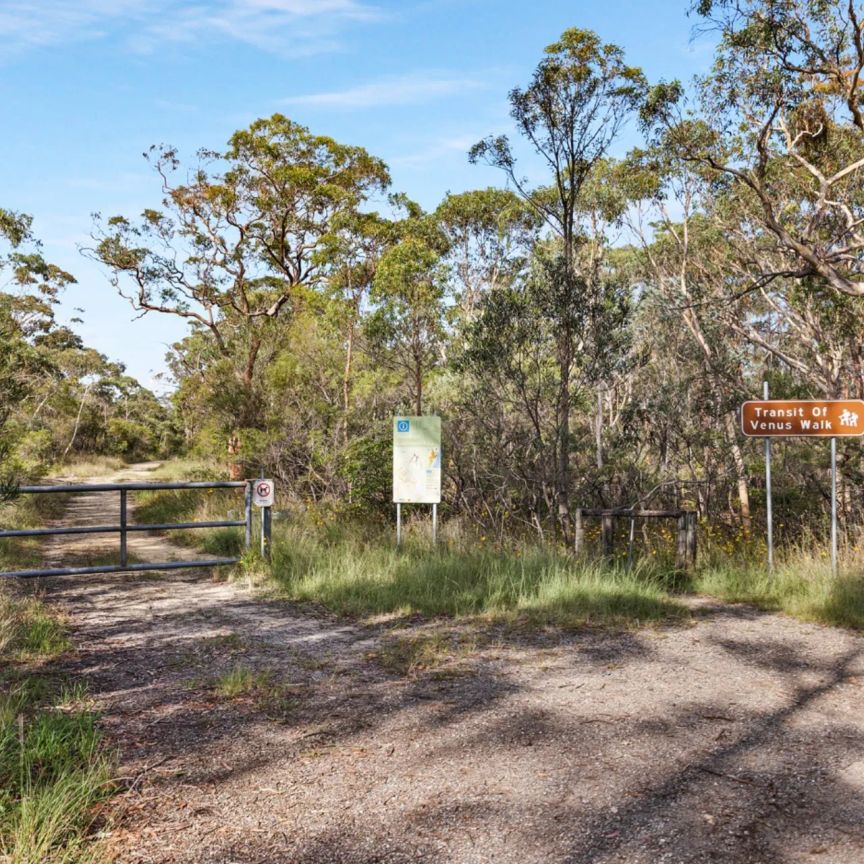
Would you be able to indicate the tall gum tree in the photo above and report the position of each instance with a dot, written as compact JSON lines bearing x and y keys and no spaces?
{"x":680,"y":263}
{"x":580,"y":96}
{"x":405,"y":329}
{"x":31,"y":286}
{"x":234,"y":248}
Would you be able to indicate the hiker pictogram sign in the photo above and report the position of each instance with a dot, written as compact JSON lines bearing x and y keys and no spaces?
{"x":775,"y":418}
{"x":263,"y":492}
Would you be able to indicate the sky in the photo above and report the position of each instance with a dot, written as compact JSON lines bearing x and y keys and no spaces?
{"x":86,"y":86}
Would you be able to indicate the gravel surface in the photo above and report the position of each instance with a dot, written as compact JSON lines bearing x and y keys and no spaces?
{"x":737,"y":737}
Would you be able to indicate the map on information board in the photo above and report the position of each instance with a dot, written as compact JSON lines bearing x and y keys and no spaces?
{"x":417,"y":460}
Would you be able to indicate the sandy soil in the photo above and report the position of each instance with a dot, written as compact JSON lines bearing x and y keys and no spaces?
{"x":736,"y":738}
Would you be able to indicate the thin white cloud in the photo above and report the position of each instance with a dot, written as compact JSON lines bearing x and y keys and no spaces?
{"x":298,"y":26}
{"x":401,"y":90}
{"x":443,"y":149}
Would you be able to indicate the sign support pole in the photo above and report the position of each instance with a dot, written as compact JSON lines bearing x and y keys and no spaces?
{"x":768,"y":501}
{"x":398,"y":524}
{"x":266,"y":529}
{"x":434,"y":524}
{"x":834,"y":507}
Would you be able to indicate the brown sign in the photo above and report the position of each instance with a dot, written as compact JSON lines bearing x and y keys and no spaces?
{"x":776,"y":418}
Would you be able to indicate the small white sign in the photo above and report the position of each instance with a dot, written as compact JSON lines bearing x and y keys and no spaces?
{"x":263,"y":492}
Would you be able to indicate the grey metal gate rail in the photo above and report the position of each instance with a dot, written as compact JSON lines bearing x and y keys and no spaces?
{"x":124,"y":527}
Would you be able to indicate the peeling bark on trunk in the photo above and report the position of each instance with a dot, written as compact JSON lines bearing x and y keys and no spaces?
{"x":740,"y":470}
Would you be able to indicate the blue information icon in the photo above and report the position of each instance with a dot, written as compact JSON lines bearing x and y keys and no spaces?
{"x":403,"y":425}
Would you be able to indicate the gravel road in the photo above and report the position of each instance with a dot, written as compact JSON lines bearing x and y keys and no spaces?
{"x":736,"y":737}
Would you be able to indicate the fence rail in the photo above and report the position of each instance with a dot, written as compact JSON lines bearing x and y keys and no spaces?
{"x":124,"y":528}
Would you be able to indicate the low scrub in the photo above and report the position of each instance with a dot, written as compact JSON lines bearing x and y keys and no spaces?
{"x":357,"y":571}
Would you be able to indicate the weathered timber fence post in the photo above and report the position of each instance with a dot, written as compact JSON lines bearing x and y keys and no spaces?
{"x":691,"y":540}
{"x":685,"y":551}
{"x":578,"y":531}
{"x":631,"y":542}
{"x":607,"y":532}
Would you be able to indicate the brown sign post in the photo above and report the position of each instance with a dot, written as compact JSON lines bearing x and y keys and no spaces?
{"x":776,"y":418}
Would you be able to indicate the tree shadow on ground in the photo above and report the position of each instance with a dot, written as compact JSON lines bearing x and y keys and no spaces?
{"x":487,"y":763}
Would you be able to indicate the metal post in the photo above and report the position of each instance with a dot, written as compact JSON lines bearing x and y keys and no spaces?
{"x":834,"y":507}
{"x":398,"y":524}
{"x":768,"y":502}
{"x":434,"y":524}
{"x":248,"y":514}
{"x":123,"y":557}
{"x":266,"y":527}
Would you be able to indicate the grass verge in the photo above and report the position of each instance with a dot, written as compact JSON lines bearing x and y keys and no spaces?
{"x":54,"y":772}
{"x":802,"y":584}
{"x":356,"y":571}
{"x":536,"y":587}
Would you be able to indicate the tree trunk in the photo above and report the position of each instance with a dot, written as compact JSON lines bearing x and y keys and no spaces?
{"x":346,"y":384}
{"x":235,"y":468}
{"x":598,"y":432}
{"x":740,"y":470}
{"x":562,"y":478}
{"x":77,"y":422}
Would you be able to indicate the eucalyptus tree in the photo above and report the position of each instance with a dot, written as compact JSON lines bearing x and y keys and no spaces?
{"x":579,"y":98}
{"x":405,"y":328}
{"x":238,"y":245}
{"x":779,"y":120}
{"x":29,"y":288}
{"x":355,"y":249}
{"x":489,"y":236}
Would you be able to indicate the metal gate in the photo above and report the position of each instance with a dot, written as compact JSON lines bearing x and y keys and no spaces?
{"x":124,"y":528}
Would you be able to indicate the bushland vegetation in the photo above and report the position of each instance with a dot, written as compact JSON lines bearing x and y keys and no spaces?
{"x":586,"y":340}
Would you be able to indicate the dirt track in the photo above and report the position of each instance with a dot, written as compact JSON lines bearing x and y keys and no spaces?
{"x":739,"y":738}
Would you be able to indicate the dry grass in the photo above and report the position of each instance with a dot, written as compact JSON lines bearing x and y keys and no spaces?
{"x":91,"y":466}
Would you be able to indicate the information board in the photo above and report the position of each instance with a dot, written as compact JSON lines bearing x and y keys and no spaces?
{"x":417,"y":460}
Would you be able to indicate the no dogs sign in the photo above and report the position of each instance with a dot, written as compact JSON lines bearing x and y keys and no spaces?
{"x":263,"y":493}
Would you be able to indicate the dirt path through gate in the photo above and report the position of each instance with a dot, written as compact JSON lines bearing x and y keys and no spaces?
{"x":103,"y":508}
{"x":736,"y":738}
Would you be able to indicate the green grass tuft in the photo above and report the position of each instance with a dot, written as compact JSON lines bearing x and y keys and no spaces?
{"x":241,"y":681}
{"x":54,"y":771}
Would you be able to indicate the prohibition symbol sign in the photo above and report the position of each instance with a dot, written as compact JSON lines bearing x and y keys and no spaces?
{"x":263,"y":493}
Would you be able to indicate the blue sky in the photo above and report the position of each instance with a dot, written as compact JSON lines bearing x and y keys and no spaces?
{"x":86,"y":86}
